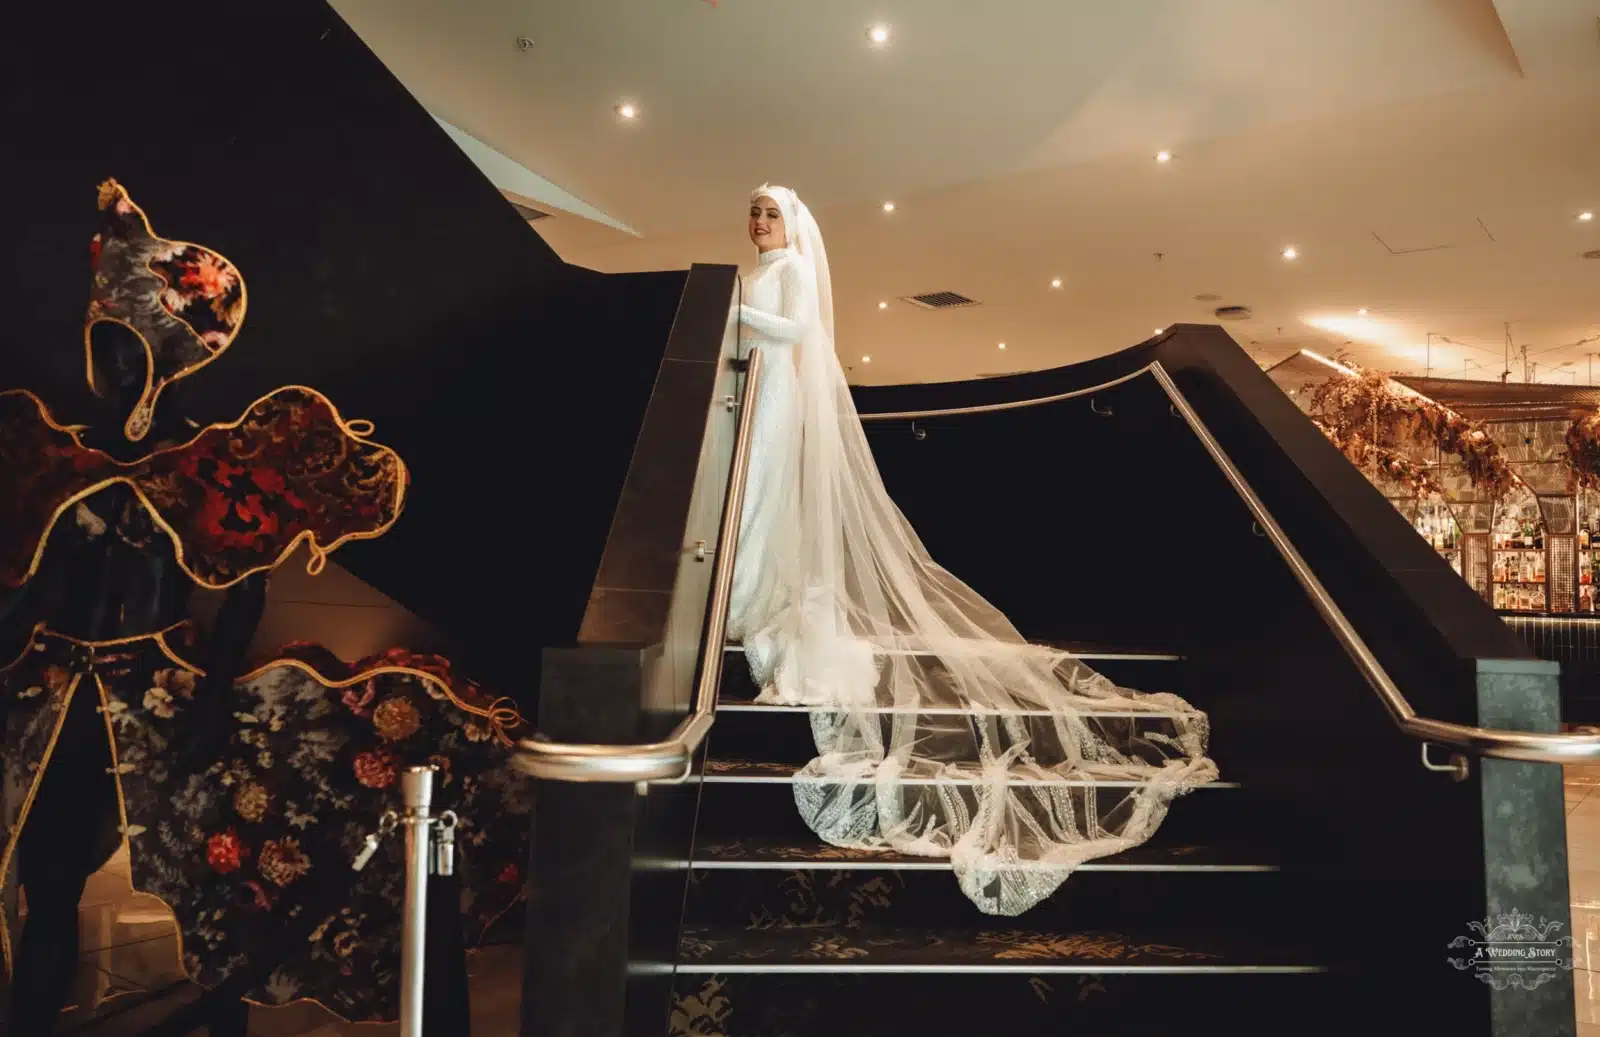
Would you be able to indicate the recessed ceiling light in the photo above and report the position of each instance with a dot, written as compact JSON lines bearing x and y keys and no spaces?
{"x":878,"y":35}
{"x":888,"y":207}
{"x":883,"y":306}
{"x":1585,"y":216}
{"x":627,"y":110}
{"x":1002,"y":345}
{"x":1163,"y":156}
{"x":1055,"y":282}
{"x":866,"y":360}
{"x":1361,"y":312}
{"x":1160,"y":330}
{"x":1291,"y":253}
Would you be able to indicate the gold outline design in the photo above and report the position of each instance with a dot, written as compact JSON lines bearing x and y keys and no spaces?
{"x":15,"y":836}
{"x":319,"y":552}
{"x":499,"y":717}
{"x":148,"y":398}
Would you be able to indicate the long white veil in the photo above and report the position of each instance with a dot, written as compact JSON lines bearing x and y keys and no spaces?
{"x":940,"y":732}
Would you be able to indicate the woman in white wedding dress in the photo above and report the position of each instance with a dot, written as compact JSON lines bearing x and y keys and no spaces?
{"x":940,"y":731}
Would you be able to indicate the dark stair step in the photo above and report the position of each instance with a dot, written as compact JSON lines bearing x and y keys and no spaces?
{"x":924,"y":899}
{"x":790,"y":852}
{"x":1015,"y":1003}
{"x":720,"y":770}
{"x":1138,"y":667}
{"x":742,"y":799}
{"x":749,"y":730}
{"x":1005,"y":945}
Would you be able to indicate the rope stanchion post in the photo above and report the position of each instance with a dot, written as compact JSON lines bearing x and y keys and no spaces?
{"x":416,"y":792}
{"x":430,"y":850}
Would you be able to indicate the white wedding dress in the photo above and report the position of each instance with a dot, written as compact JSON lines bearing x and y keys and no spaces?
{"x":940,"y":731}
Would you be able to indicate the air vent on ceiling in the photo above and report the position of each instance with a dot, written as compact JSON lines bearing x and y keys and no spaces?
{"x":1593,"y":253}
{"x":528,"y":213}
{"x":940,"y":300}
{"x":1231,"y":313}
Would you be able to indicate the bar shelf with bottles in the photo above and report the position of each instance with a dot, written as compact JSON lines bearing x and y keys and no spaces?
{"x":1518,"y":570}
{"x":1588,"y":552}
{"x":1520,"y":558}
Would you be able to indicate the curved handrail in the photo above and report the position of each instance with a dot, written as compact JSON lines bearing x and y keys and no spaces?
{"x":1535,"y":747}
{"x":672,"y":758}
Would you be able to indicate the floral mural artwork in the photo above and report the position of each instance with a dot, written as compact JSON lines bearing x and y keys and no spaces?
{"x":237,"y":498}
{"x":248,"y":833}
{"x":1380,"y":426}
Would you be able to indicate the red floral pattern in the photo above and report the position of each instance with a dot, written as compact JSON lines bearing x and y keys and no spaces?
{"x":236,"y":497}
{"x":224,"y":852}
{"x":184,"y":301}
{"x":245,"y":836}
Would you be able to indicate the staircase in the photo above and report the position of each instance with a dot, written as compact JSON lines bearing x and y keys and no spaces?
{"x":1316,"y":888}
{"x":786,"y":936}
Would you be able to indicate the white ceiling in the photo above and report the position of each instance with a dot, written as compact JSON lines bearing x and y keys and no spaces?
{"x":1427,"y":158}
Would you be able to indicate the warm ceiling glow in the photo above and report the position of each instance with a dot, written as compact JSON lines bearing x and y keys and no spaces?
{"x":1361,"y":312}
{"x":888,"y":207}
{"x":627,"y":111}
{"x":1586,"y":216}
{"x":883,"y":306}
{"x":1055,"y":282}
{"x":1291,"y":253}
{"x":1163,"y":156}
{"x":878,"y":34}
{"x":1393,"y":340}
{"x":1319,"y":358}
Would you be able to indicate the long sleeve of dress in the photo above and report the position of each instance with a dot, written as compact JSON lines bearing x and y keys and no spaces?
{"x":788,"y":327}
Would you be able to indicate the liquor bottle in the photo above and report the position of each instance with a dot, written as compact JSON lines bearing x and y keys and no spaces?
{"x":1583,"y":537}
{"x":1538,"y":538}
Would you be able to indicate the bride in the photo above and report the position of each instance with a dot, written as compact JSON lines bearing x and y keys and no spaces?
{"x":940,"y":732}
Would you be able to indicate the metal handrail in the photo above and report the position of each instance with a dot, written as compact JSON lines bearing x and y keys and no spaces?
{"x":1529,"y":746}
{"x":671,"y":759}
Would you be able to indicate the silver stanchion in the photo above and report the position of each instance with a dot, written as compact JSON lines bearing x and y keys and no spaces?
{"x":416,"y":794}
{"x":430,"y":850}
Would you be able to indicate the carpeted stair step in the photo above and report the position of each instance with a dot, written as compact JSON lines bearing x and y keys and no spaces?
{"x":1012,"y":1002}
{"x":750,"y":799}
{"x":926,"y":899}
